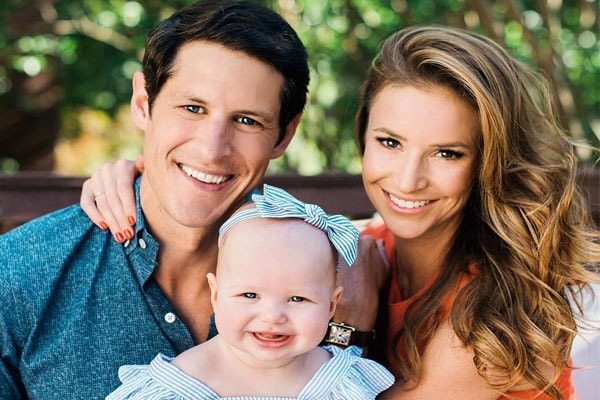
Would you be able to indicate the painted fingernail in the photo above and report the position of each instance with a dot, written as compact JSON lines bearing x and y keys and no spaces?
{"x":131,"y":220}
{"x":129,"y":234}
{"x":119,"y":237}
{"x":103,"y":226}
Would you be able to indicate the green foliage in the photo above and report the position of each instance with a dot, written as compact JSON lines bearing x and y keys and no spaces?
{"x":89,"y":49}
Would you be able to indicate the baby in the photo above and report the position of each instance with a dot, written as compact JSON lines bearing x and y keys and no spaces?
{"x":273,"y":295}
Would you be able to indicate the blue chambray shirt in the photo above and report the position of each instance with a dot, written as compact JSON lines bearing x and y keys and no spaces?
{"x":75,"y":305}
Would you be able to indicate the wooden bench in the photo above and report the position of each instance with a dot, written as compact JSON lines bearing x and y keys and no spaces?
{"x":27,"y":195}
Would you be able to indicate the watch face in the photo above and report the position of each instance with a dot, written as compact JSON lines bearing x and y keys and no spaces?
{"x":339,"y":335}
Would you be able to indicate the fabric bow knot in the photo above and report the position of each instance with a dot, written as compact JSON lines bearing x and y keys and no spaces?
{"x":277,"y":203}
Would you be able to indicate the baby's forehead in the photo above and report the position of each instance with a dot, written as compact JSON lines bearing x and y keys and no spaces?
{"x":264,"y":237}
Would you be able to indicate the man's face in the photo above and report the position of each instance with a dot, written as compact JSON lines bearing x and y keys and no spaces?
{"x":213,"y":129}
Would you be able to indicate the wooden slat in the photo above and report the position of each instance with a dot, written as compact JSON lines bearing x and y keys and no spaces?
{"x":26,"y":195}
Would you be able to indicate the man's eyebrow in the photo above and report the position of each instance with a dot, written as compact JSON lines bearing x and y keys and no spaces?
{"x":265,"y":116}
{"x":194,"y":99}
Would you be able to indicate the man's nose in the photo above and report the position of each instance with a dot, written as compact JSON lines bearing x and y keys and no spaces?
{"x":215,"y":137}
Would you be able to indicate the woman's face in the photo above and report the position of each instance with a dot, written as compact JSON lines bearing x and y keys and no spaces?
{"x":419,"y":159}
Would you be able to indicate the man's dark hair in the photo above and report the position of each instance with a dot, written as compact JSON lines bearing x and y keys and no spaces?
{"x":237,"y":25}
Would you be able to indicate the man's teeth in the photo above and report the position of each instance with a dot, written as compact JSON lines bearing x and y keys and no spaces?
{"x":407,"y":203}
{"x":202,"y":177}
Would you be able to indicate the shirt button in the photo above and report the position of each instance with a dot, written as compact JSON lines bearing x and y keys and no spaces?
{"x":127,"y":242}
{"x":142,"y":243}
{"x":170,"y":318}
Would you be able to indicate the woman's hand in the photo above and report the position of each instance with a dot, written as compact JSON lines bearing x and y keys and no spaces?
{"x":362,"y":284}
{"x":107,"y":197}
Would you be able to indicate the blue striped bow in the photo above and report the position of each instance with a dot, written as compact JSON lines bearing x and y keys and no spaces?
{"x":277,"y":203}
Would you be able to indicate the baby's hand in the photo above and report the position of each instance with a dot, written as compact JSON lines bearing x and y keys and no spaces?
{"x":107,"y":197}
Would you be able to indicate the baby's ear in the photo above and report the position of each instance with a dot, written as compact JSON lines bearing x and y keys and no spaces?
{"x":212,"y":283}
{"x":335,"y":299}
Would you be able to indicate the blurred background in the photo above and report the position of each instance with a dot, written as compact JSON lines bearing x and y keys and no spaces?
{"x":66,"y":65}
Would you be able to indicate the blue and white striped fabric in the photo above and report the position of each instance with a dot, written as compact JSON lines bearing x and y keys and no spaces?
{"x":346,"y":376}
{"x":277,"y":203}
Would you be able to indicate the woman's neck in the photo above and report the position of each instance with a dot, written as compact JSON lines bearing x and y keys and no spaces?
{"x":418,"y":261}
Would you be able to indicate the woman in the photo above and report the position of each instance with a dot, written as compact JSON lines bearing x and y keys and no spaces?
{"x":485,"y":231}
{"x":464,"y":160}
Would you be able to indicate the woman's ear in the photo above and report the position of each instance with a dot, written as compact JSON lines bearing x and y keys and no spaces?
{"x":212,"y":283}
{"x":140,"y":111}
{"x":335,"y":299}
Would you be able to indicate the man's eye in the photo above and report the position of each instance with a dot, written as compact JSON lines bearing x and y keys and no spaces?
{"x":297,"y":299}
{"x":247,"y":121}
{"x":193,"y":109}
{"x":249,"y":295}
{"x":389,"y":142}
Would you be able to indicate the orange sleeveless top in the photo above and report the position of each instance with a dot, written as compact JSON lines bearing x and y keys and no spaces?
{"x":396,"y":307}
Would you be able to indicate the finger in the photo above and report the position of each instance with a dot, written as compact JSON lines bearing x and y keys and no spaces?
{"x":112,"y":202}
{"x":103,"y":208}
{"x":139,"y":163}
{"x":126,"y":171}
{"x":88,"y":205}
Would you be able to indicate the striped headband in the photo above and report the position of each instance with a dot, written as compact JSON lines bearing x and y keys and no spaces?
{"x":277,"y":203}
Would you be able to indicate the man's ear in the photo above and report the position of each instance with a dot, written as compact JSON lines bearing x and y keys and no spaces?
{"x":212,"y":283}
{"x":140,"y":111}
{"x":335,"y":299}
{"x":290,"y":129}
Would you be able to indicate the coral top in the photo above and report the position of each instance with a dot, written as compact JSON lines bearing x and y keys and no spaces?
{"x":398,"y":306}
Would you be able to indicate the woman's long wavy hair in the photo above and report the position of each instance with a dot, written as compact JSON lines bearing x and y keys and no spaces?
{"x":525,"y":225}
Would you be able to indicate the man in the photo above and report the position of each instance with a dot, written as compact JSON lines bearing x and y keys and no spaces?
{"x":222,"y":92}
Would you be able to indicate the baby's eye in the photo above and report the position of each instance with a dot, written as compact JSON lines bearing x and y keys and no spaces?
{"x":249,"y":295}
{"x":449,"y":154}
{"x":297,"y":299}
{"x":389,"y":142}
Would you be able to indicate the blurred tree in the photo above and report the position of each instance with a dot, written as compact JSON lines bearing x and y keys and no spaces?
{"x":66,"y":65}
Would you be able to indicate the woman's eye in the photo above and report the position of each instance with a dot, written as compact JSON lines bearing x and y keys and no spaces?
{"x":449,"y":154}
{"x":297,"y":299}
{"x":193,"y":109}
{"x":249,"y":295}
{"x":389,"y":143}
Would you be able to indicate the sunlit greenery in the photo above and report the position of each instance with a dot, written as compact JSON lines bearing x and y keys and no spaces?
{"x":65,"y":70}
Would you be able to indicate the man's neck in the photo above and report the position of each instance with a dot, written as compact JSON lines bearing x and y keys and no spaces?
{"x":186,"y":254}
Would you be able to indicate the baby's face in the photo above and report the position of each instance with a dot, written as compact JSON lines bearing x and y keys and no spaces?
{"x":275,"y":289}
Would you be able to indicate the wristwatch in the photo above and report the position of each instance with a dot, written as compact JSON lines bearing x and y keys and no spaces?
{"x":345,"y":335}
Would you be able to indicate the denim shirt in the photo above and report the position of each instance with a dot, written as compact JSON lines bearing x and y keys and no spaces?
{"x":75,"y":305}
